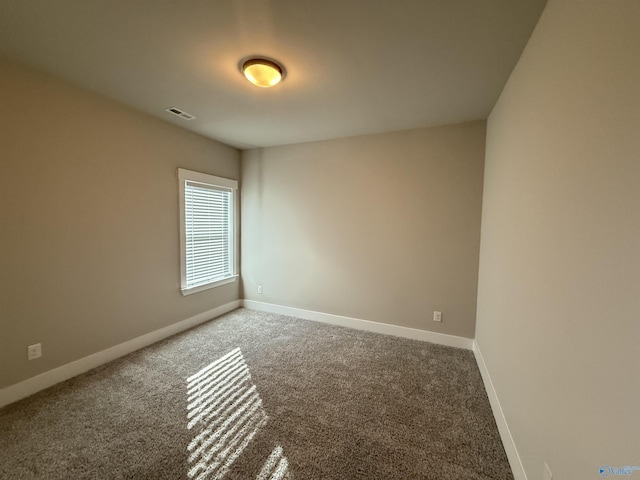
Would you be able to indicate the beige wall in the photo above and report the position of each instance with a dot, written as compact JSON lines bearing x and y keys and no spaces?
{"x":89,"y":222}
{"x":559,"y":283}
{"x":380,"y":227}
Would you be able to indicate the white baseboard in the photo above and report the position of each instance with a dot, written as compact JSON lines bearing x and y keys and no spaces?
{"x":503,"y":428}
{"x":47,"y":379}
{"x":385,"y":328}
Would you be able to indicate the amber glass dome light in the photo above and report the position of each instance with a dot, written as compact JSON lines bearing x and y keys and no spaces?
{"x":262,"y":72}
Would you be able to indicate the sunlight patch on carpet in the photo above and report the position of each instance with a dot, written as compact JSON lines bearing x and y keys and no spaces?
{"x":276,"y":467}
{"x":225,"y":412}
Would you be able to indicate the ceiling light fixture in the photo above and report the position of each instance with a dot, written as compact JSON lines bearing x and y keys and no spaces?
{"x":262,"y":72}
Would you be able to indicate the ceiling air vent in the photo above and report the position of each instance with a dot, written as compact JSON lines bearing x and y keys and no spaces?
{"x":180,"y":113}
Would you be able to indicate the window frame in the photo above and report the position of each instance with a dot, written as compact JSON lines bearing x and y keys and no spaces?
{"x":185,"y":176}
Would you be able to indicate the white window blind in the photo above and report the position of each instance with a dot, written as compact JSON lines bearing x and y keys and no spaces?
{"x":208,"y":231}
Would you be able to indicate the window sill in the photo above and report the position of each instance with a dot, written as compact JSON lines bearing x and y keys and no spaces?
{"x":200,"y":288}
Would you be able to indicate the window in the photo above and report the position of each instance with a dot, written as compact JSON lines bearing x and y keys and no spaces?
{"x":208,"y":224}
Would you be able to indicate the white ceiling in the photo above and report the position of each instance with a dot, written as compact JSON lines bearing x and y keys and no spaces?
{"x":353,"y":66}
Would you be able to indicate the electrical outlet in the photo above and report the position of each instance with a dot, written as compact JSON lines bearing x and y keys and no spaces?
{"x":547,"y":472}
{"x":437,"y":316}
{"x":260,"y":289}
{"x":34,"y":351}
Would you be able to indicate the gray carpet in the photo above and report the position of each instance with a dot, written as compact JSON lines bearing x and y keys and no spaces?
{"x":261,"y":396}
